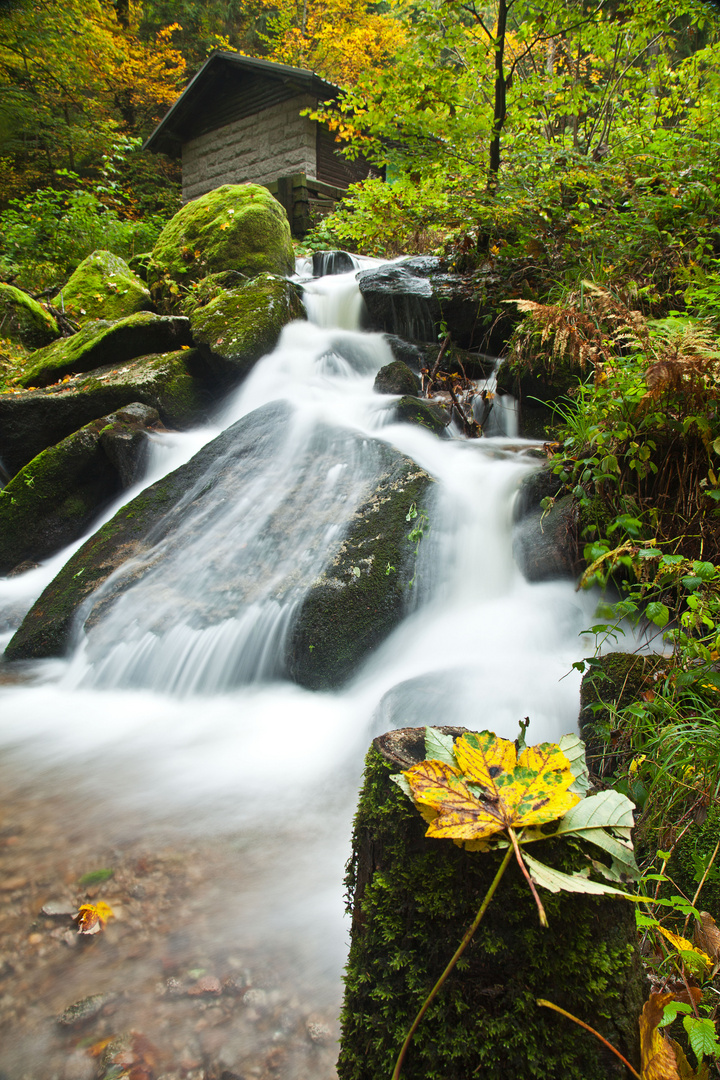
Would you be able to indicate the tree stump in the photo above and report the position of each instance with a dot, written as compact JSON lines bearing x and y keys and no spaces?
{"x":412,"y":898}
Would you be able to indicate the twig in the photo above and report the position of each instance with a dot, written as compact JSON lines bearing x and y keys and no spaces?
{"x":702,"y":882}
{"x":440,"y":355}
{"x":626,"y":1063}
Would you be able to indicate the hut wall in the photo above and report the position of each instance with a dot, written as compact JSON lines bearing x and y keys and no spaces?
{"x":257,"y":148}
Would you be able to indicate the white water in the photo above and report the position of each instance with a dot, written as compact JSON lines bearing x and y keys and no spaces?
{"x":173,"y":710}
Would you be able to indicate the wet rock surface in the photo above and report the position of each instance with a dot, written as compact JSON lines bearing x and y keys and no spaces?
{"x":174,"y":988}
{"x":397,"y":378}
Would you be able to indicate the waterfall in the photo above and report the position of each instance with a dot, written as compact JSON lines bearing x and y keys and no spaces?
{"x":173,"y":724}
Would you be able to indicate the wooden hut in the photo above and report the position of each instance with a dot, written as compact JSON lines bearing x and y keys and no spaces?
{"x":240,"y":120}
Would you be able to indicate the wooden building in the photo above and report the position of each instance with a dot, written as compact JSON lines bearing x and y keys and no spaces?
{"x":240,"y":120}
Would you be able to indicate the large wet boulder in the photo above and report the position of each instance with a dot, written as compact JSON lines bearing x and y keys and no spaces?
{"x":56,"y":496}
{"x":420,"y":300}
{"x":103,"y":287}
{"x":363,"y":592}
{"x":242,"y":323}
{"x":331,"y":262}
{"x":103,"y":343}
{"x":397,"y":378}
{"x":177,"y":384}
{"x":546,"y":527}
{"x":234,"y":227}
{"x":327,"y":556}
{"x":23,"y":320}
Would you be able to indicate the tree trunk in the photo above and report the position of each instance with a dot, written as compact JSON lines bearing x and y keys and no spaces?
{"x":500,"y":106}
{"x":412,"y":899}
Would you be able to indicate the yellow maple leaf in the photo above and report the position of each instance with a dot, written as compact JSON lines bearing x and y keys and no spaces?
{"x":684,"y":946}
{"x":91,"y":918}
{"x":515,"y":791}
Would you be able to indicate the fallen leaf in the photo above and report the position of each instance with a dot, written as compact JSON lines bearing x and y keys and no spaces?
{"x":656,"y":1053}
{"x":91,"y":918}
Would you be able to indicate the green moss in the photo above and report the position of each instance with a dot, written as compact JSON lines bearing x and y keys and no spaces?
{"x":242,"y":324}
{"x":103,"y":287}
{"x":237,"y":227}
{"x":691,"y":855}
{"x":412,"y":411}
{"x":413,"y":900}
{"x":104,"y":343}
{"x":23,"y":320}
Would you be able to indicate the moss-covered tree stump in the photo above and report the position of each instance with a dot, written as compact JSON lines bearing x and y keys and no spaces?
{"x":413,"y":898}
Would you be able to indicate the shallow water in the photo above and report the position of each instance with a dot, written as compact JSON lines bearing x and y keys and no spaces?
{"x":170,"y":748}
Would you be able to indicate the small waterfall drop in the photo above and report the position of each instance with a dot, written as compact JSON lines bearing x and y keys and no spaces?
{"x":174,"y":722}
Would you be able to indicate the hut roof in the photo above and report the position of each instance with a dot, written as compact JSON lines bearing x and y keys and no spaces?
{"x":228,"y":86}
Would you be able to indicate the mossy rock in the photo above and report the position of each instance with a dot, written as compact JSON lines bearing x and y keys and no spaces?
{"x":365,"y":590}
{"x":239,"y":325}
{"x":101,"y":343}
{"x":177,"y":384}
{"x":690,"y":855}
{"x":611,"y":683}
{"x":412,"y":899}
{"x":103,"y":287}
{"x":234,"y":227}
{"x":546,"y":543}
{"x":428,"y":414}
{"x":397,"y":378}
{"x":145,"y":521}
{"x":54,"y":499}
{"x":23,"y":320}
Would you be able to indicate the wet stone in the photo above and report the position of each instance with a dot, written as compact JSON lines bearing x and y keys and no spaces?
{"x":88,"y":1008}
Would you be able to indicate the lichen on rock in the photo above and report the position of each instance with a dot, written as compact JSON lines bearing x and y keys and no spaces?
{"x":103,"y":287}
{"x":234,"y":227}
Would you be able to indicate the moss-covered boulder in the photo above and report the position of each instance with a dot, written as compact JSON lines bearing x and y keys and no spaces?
{"x":365,"y":589}
{"x":23,"y":320}
{"x":234,"y":227}
{"x":428,"y":414}
{"x":103,"y":343}
{"x":397,"y":378}
{"x":412,"y":899}
{"x":242,"y":323}
{"x":103,"y":287}
{"x":55,"y":497}
{"x":177,"y":384}
{"x":145,"y":521}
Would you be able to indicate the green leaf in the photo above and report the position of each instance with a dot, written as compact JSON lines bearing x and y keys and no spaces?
{"x":399,"y":779}
{"x":439,"y":747}
{"x":671,"y":1010}
{"x":94,"y":877}
{"x":555,"y":881}
{"x":702,"y":1035}
{"x":574,"y":750}
{"x":658,"y":613}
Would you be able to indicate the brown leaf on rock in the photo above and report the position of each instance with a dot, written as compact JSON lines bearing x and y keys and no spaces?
{"x":656,"y":1051}
{"x":91,"y":918}
{"x":707,"y":936}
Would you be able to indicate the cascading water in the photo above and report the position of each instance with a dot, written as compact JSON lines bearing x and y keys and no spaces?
{"x":173,"y":728}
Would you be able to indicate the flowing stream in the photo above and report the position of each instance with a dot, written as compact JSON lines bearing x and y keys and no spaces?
{"x":171,"y":748}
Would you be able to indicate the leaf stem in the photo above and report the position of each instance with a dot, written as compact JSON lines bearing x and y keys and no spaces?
{"x":626,"y":1063}
{"x":531,"y":883}
{"x":456,"y":956}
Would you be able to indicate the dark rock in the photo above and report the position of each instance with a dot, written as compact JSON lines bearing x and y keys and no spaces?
{"x":126,"y":442}
{"x":536,"y":392}
{"x":107,"y":344}
{"x":427,"y":414}
{"x":331,"y":262}
{"x":177,"y":384}
{"x":55,"y":497}
{"x":545,"y":542}
{"x":412,"y":899}
{"x":396,"y":378}
{"x":411,"y":354}
{"x":364,"y":590}
{"x":417,"y":305}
